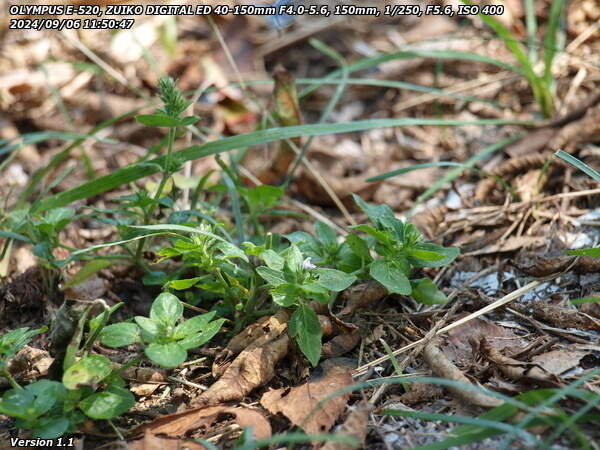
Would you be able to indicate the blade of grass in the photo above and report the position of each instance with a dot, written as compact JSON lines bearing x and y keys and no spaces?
{"x":550,"y":38}
{"x":539,"y":88}
{"x":531,"y":24}
{"x":372,"y":61}
{"x":478,"y":422}
{"x":403,"y":170}
{"x":136,"y":171}
{"x":468,"y":164}
{"x":590,"y":171}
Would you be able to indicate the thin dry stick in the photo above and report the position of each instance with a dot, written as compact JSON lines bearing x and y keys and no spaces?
{"x":502,"y":301}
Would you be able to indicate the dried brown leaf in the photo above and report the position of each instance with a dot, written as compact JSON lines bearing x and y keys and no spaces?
{"x":340,"y":344}
{"x":443,"y":367}
{"x":564,"y":318}
{"x":259,"y":333}
{"x":362,"y":295}
{"x":252,"y":368}
{"x":298,"y":402}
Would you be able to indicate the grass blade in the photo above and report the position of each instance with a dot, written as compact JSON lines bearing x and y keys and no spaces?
{"x":136,"y":171}
{"x":531,"y":24}
{"x":403,"y":170}
{"x":590,"y":171}
{"x":367,"y":63}
{"x":550,"y":38}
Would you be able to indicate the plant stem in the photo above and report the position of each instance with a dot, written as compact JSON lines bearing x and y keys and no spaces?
{"x":10,"y":379}
{"x":159,"y":191}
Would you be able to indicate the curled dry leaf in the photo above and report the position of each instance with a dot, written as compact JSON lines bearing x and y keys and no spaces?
{"x":298,"y":403}
{"x":462,"y":340}
{"x":340,"y":344}
{"x":255,"y":335}
{"x":252,"y":368}
{"x":361,"y":296}
{"x":197,"y":420}
{"x":518,"y":370}
{"x":443,"y":367}
{"x":354,"y":426}
{"x":145,"y":380}
{"x":545,"y":265}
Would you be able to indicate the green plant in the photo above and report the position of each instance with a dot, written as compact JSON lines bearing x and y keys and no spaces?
{"x":10,"y":344}
{"x":165,"y":341}
{"x":50,"y":408}
{"x":90,"y":387}
{"x":293,"y":282}
{"x":542,"y":85}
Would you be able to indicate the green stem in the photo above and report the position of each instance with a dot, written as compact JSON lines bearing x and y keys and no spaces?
{"x":10,"y":379}
{"x":159,"y":191}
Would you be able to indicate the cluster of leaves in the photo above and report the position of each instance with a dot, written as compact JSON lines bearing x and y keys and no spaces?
{"x":166,"y":342}
{"x":309,"y":268}
{"x":91,"y":386}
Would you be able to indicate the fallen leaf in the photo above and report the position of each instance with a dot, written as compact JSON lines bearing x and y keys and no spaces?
{"x":252,"y":368}
{"x":180,"y":424}
{"x":259,"y":333}
{"x":298,"y":403}
{"x":559,"y":361}
{"x":340,"y":344}
{"x":443,"y":367}
{"x":361,"y":296}
{"x":460,"y":341}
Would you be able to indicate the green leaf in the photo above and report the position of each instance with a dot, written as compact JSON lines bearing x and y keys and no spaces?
{"x":13,"y":341}
{"x":593,"y":252}
{"x":383,"y":237}
{"x":316,"y":291}
{"x":272,"y":260}
{"x":588,"y":170}
{"x":136,"y":171}
{"x":293,"y":258}
{"x":423,"y":253}
{"x":110,"y":403}
{"x":181,"y":285}
{"x":87,"y":271}
{"x":271,"y":276}
{"x":305,"y":328}
{"x":334,"y":280}
{"x":50,"y":427}
{"x":326,"y":234}
{"x":18,"y":403}
{"x":374,"y":212}
{"x":286,"y":294}
{"x":231,"y":251}
{"x":166,"y":309}
{"x":391,"y":277}
{"x":166,"y":355}
{"x":88,"y":371}
{"x":189,"y":120}
{"x":59,"y":217}
{"x":193,"y":325}
{"x":204,"y":336}
{"x":425,"y":291}
{"x":148,"y":326}
{"x":120,"y":334}
{"x":157,"y":120}
{"x":359,"y":247}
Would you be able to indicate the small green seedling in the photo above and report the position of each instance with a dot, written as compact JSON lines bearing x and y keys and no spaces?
{"x":293,"y":282}
{"x":165,"y":342}
{"x":10,"y":344}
